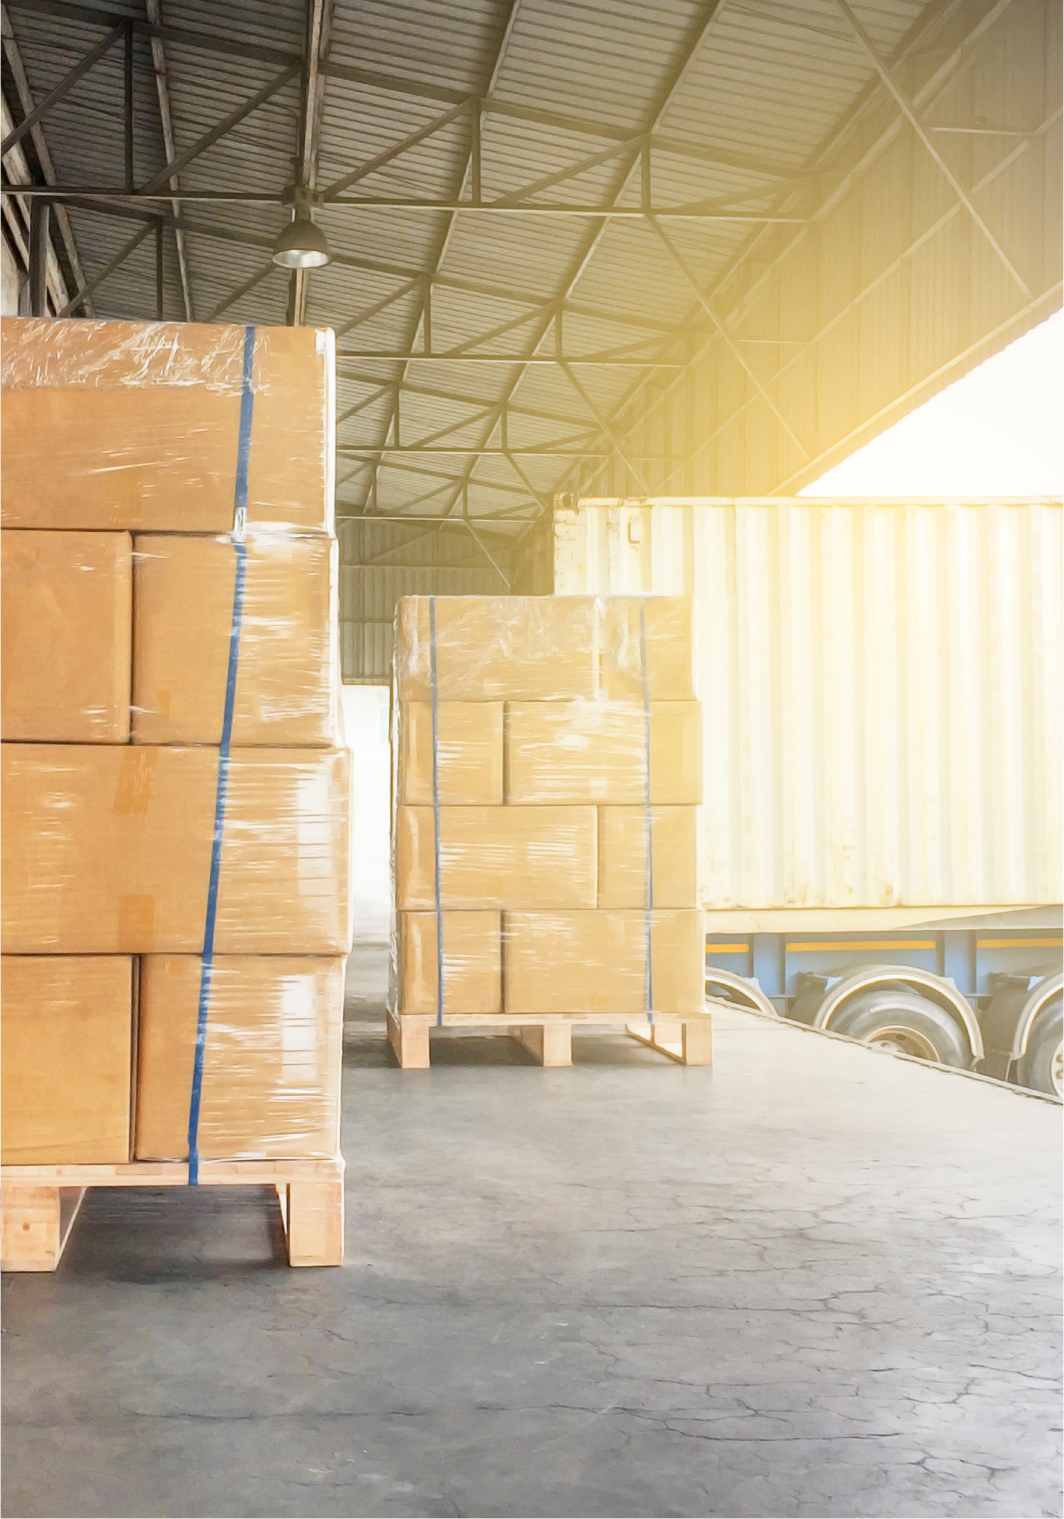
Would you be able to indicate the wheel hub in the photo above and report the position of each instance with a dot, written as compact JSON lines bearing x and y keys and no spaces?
{"x":904,"y":1041}
{"x":1056,"y":1069}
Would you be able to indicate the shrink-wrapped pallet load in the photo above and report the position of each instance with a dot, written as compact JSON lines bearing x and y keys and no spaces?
{"x":548,"y":774}
{"x":176,"y":902}
{"x":137,"y":426}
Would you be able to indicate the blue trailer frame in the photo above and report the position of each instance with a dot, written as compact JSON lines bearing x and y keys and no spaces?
{"x":992,"y":978}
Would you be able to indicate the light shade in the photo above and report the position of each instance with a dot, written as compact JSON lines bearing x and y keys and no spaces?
{"x":301,"y":245}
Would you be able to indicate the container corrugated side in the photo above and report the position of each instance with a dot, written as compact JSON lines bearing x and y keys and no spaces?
{"x":881,"y":683}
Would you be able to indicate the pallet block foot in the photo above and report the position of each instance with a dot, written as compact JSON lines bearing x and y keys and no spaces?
{"x":410,"y":1041}
{"x":549,"y":1043}
{"x":35,"y":1223}
{"x":698,"y":1043}
{"x":687,"y":1043}
{"x":313,"y":1213}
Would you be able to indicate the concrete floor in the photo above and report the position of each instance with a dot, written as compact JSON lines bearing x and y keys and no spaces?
{"x":813,"y":1281}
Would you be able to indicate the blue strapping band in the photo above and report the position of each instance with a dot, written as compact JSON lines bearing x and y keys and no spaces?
{"x":436,"y":809}
{"x":240,"y":517}
{"x":649,"y":815}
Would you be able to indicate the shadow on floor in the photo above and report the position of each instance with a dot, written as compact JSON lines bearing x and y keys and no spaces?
{"x":149,"y":1235}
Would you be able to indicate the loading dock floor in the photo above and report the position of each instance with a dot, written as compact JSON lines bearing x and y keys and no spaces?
{"x":812,"y":1281}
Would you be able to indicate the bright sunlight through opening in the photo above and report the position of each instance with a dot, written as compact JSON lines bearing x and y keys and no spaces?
{"x":996,"y":432}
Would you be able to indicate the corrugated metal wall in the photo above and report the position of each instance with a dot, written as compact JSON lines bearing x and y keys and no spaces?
{"x":380,"y":563}
{"x":882,"y":689}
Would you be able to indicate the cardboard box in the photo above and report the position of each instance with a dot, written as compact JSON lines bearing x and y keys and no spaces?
{"x":668,"y":642}
{"x":107,"y":850}
{"x":595,"y":962}
{"x":66,"y":1031}
{"x":183,"y":612}
{"x":491,"y":648}
{"x":472,"y":962}
{"x":67,"y":629}
{"x":469,"y":753}
{"x":497,"y":857}
{"x":595,"y":751}
{"x":271,"y":1074}
{"x":134,"y":425}
{"x":676,"y":753}
{"x":622,"y":856}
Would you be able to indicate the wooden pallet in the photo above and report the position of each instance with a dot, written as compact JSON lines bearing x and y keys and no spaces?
{"x":38,"y":1204}
{"x":548,"y":1037}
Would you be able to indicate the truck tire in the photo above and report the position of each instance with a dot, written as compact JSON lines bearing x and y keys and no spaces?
{"x":1041,"y":1066}
{"x":904,"y":1023}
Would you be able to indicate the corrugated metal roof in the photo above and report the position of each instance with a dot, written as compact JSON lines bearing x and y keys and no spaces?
{"x":754,"y":82}
{"x":739,"y":98}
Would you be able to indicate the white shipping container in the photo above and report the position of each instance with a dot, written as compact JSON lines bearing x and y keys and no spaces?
{"x":881,"y":684}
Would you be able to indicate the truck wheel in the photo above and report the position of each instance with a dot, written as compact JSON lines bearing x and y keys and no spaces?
{"x":903,"y":1023}
{"x":1042,"y":1067}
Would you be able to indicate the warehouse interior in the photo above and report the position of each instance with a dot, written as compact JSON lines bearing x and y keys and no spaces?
{"x":596,"y":277}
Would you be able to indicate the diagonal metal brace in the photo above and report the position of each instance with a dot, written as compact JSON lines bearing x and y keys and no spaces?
{"x":902,"y":102}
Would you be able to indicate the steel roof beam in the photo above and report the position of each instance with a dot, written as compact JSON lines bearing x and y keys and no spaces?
{"x":315,"y":46}
{"x":242,"y":290}
{"x":430,"y":393}
{"x":413,"y":519}
{"x":694,"y":42}
{"x":392,"y":203}
{"x":377,"y":307}
{"x":381,"y":356}
{"x":579,"y":265}
{"x":108,"y":269}
{"x":123,"y":209}
{"x":60,"y":215}
{"x":92,"y":15}
{"x":166,"y":122}
{"x":901,"y":100}
{"x":706,"y":306}
{"x":330,"y":193}
{"x":62,"y":89}
{"x":486,"y":552}
{"x":394,"y":84}
{"x":152,"y":187}
{"x":371,"y":450}
{"x":935,"y":85}
{"x":708,"y":19}
{"x":439,"y":474}
{"x":470,"y":167}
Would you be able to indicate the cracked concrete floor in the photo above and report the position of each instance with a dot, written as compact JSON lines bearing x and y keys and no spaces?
{"x":814,"y":1281}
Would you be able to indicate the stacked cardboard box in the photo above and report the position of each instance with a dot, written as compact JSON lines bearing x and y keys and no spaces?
{"x":566,"y":736}
{"x":119,"y":559}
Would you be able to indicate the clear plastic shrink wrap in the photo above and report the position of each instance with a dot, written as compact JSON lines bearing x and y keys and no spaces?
{"x":493,"y":647}
{"x":121,"y":624}
{"x":271,"y":1076}
{"x":135,"y":425}
{"x":107,"y":850}
{"x":66,"y":644}
{"x":496,"y":857}
{"x":568,"y":771}
{"x":287,"y":687}
{"x":90,"y":617}
{"x":66,"y":1051}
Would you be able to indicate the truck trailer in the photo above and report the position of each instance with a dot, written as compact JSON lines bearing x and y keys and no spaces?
{"x":880,"y":838}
